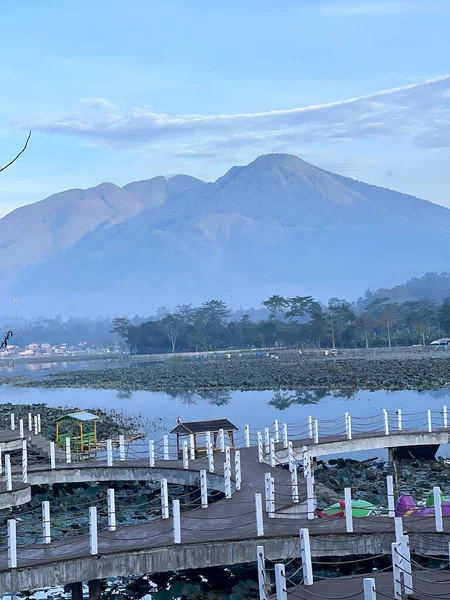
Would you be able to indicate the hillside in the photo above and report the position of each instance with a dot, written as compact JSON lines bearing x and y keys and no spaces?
{"x":277,"y":225}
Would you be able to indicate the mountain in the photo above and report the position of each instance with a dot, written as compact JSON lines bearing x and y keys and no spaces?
{"x":432,"y":286}
{"x":277,"y":225}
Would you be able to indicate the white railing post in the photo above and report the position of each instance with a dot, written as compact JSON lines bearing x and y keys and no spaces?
{"x":399,"y":419}
{"x":52,"y":456}
{"x":310,"y":427}
{"x":46,"y":532}
{"x":316,"y":431}
{"x":1,"y":462}
{"x":280,"y":582}
{"x":39,"y":423}
{"x":438,"y":508}
{"x":259,"y":516}
{"x":164,"y":499}
{"x":237,"y":470}
{"x":210,"y":452}
{"x":68,"y":451}
{"x":294,"y":485}
{"x":261,"y":573}
{"x":349,"y":426}
{"x":277,"y":431}
{"x":191,"y":446}
{"x":310,"y":496}
{"x":204,"y":488}
{"x":121,"y":447}
{"x":285,"y":435}
{"x":272,"y":452}
{"x":13,"y":422}
{"x":30,"y":422}
{"x":247,"y":436}
{"x":8,"y":473}
{"x":291,"y":456}
{"x":396,"y":571}
{"x":444,"y":417}
{"x":305,"y":553}
{"x":270,"y":495}
{"x":36,"y":426}
{"x":227,"y":478}
{"x":307,"y":470}
{"x":12,"y":544}
{"x":369,"y":588}
{"x":185,"y":455}
{"x":151,"y":453}
{"x":24,"y":462}
{"x":260,"y":448}
{"x":222,"y":440}
{"x":166,"y":447}
{"x":430,"y":424}
{"x":111,"y":499}
{"x":176,"y":521}
{"x":390,"y":495}
{"x":266,"y":440}
{"x":21,"y":433}
{"x":348,"y":510}
{"x":386,"y":421}
{"x":93,"y":531}
{"x":346,"y":424}
{"x":109,"y":454}
{"x":405,"y":551}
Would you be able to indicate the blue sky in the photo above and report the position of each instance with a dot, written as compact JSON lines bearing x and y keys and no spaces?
{"x":126,"y":90}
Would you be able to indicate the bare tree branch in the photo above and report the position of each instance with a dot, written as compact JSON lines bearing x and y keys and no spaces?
{"x":21,"y":152}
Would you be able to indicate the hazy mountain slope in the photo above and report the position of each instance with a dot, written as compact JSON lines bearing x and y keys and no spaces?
{"x":277,"y":225}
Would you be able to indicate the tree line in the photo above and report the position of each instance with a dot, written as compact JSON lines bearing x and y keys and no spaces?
{"x":298,"y":322}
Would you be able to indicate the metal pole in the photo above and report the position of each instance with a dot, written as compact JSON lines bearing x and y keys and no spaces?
{"x":111,"y":499}
{"x":93,"y":536}
{"x":348,"y":510}
{"x":280,"y":582}
{"x":164,"y":499}
{"x":122,"y":447}
{"x":176,"y":522}
{"x":204,"y":488}
{"x":259,"y":516}
{"x":237,"y":470}
{"x":46,"y":532}
{"x":305,"y":553}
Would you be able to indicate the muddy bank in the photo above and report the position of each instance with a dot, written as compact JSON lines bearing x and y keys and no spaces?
{"x":420,"y":372}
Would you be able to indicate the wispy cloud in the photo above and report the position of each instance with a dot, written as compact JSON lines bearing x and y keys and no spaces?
{"x":421,"y":111}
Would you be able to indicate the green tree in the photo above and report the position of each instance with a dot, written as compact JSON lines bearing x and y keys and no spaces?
{"x":298,"y":306}
{"x":275,"y":304}
{"x":122,"y":327}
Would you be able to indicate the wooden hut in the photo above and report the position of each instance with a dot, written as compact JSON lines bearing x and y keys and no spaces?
{"x":199,"y":429}
{"x":81,"y":427}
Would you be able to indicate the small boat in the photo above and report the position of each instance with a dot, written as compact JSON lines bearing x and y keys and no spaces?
{"x":406,"y":507}
{"x":360,"y":508}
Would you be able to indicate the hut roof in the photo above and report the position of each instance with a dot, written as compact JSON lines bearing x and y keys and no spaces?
{"x":212,"y":425}
{"x":78,"y":416}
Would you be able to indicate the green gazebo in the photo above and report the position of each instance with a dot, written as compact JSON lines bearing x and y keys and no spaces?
{"x":81,"y":427}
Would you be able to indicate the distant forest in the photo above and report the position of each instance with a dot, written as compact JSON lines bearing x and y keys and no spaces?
{"x":415,"y":312}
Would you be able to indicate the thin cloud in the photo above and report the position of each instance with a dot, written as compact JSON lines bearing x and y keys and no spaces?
{"x":418,"y":110}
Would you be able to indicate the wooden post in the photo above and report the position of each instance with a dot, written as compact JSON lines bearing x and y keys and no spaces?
{"x":430,"y":425}
{"x":121,"y":447}
{"x":24,"y":462}
{"x":316,"y":431}
{"x":272,"y":452}
{"x":294,"y":484}
{"x":185,"y":455}
{"x":68,"y":452}
{"x":310,"y":427}
{"x":386,"y":421}
{"x":151,"y":453}
{"x":30,"y":422}
{"x":227,"y":479}
{"x":390,"y":495}
{"x":305,"y":553}
{"x":280,"y":582}
{"x":399,"y":419}
{"x":444,"y":417}
{"x":310,"y":496}
{"x":191,"y":446}
{"x":237,"y":470}
{"x":247,"y":436}
{"x":369,"y":588}
{"x":210,"y":452}
{"x":166,"y":447}
{"x":259,"y":515}
{"x":285,"y":435}
{"x":204,"y":488}
{"x":176,"y":521}
{"x":260,"y":448}
{"x":261,"y":573}
{"x":52,"y":456}
{"x":111,"y":499}
{"x":93,"y":535}
{"x":438,"y":509}
{"x":348,"y":510}
{"x":13,"y":422}
{"x":164,"y":499}
{"x":8,"y":473}
{"x":266,"y":440}
{"x":46,"y":532}
{"x":276,"y":430}
{"x":21,"y":428}
{"x":12,"y":544}
{"x":109,"y":454}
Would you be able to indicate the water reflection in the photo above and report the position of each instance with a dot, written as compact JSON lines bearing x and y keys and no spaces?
{"x":214,"y":397}
{"x":283,"y":400}
{"x":124,"y":394}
